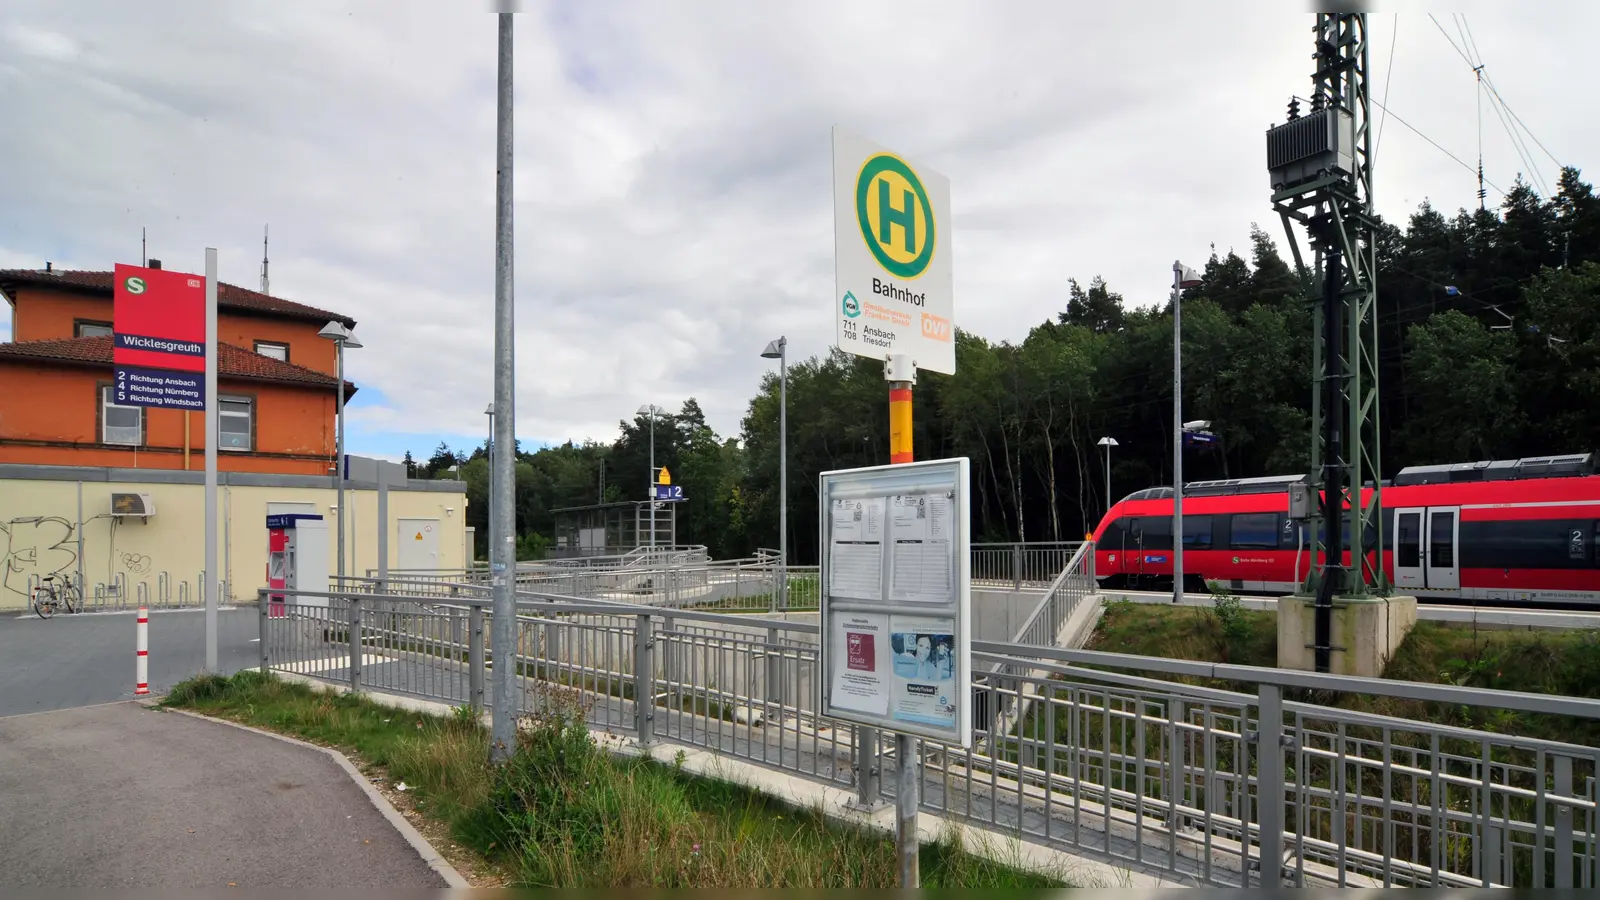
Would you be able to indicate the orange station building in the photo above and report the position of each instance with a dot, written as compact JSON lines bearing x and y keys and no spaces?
{"x":275,"y":383}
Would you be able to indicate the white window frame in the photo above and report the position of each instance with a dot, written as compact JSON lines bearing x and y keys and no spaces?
{"x":275,"y":345}
{"x":107,"y":404}
{"x":249,"y":418}
{"x":78,"y":327}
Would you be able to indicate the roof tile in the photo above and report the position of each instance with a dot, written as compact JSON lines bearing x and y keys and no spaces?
{"x":229,"y":296}
{"x":232,"y":362}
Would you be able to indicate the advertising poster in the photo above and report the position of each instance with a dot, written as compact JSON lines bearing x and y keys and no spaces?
{"x":924,"y":683}
{"x":855,"y":565}
{"x":861,"y":643}
{"x":921,"y":532}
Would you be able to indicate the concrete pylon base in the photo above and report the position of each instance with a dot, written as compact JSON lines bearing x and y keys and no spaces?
{"x":1366,"y":633}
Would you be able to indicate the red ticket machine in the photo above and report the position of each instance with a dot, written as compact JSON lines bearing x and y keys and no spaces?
{"x":297,"y":559}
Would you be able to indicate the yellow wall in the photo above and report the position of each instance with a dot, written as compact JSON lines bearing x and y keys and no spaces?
{"x":39,"y":532}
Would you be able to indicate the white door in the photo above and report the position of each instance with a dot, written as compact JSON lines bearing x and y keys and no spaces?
{"x":1443,"y":560}
{"x":418,"y":543}
{"x":1408,"y":548}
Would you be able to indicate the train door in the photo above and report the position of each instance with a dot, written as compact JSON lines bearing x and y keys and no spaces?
{"x":1443,"y":560}
{"x":1408,"y":548}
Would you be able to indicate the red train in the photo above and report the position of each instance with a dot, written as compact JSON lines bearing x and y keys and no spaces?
{"x":1511,"y":531}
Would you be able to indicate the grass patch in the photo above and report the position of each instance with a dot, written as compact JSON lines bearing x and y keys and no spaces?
{"x":1566,"y":663}
{"x":565,"y":813}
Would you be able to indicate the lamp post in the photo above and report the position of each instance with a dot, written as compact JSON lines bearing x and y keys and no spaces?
{"x":651,"y":410}
{"x":1108,"y":443}
{"x":1182,"y":277}
{"x":779,"y":350}
{"x":342,"y":337}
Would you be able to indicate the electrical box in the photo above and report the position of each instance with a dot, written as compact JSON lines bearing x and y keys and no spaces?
{"x":1301,"y":150}
{"x":1302,"y":501}
{"x":297,"y":560}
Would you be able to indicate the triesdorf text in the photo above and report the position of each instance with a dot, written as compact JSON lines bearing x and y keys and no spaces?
{"x":888,"y":289}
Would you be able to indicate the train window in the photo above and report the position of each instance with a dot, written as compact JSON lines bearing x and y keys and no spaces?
{"x":1115,"y":534}
{"x":1408,"y":547}
{"x":1528,"y":543}
{"x":1255,"y":531}
{"x":1197,"y":532}
{"x":1152,"y":532}
{"x":1442,"y":540}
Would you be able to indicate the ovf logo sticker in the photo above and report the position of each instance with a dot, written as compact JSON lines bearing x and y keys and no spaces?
{"x":895,"y":215}
{"x":935,"y":327}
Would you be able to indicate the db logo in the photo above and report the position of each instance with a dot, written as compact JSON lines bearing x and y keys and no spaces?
{"x":936,"y":327}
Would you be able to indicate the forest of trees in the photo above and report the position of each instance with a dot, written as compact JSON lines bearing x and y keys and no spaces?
{"x":1489,"y":330}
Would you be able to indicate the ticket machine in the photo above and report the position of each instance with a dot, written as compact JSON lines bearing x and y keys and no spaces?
{"x":297,"y":559}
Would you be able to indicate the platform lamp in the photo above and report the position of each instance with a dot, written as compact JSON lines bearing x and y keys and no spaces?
{"x":342,"y":338}
{"x":779,"y":350}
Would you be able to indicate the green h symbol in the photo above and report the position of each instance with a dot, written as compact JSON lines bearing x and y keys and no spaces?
{"x":888,"y":216}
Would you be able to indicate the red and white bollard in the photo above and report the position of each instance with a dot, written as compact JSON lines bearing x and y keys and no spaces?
{"x":141,"y":653}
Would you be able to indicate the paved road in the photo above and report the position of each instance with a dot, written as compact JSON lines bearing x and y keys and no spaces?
{"x":122,"y":796}
{"x":75,"y":660}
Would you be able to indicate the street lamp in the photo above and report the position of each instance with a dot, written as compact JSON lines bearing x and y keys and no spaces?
{"x":779,"y":350}
{"x":1108,"y":443}
{"x":489,"y":495}
{"x":342,"y":338}
{"x":1182,"y":277}
{"x":652,"y":410}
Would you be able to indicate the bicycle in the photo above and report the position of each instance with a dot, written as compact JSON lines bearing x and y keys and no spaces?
{"x":48,"y":595}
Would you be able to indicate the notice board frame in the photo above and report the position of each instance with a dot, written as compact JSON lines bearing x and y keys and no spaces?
{"x":908,"y":479}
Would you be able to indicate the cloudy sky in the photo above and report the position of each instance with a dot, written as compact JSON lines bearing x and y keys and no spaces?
{"x":673,"y":199}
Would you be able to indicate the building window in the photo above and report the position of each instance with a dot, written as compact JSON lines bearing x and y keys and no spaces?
{"x":120,"y":424}
{"x":273,"y":349}
{"x":85,"y":328}
{"x":234,"y":423}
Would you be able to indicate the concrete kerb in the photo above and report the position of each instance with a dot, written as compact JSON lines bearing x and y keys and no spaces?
{"x":425,"y":850}
{"x":835,"y":803}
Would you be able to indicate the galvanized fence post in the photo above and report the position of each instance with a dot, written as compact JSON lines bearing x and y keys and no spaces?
{"x":264,"y":608}
{"x":869,"y":792}
{"x":668,"y":651}
{"x":774,"y":692}
{"x":475,"y":665}
{"x":354,"y":600}
{"x":1269,"y":782}
{"x":643,"y":681}
{"x":1016,"y":567}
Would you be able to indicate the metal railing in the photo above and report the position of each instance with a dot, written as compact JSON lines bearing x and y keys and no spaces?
{"x":1198,"y":784}
{"x":1020,"y":565}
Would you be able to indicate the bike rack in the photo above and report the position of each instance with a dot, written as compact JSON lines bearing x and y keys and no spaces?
{"x":163,"y":589}
{"x":119,"y":590}
{"x":142,"y":591}
{"x":183,"y":593}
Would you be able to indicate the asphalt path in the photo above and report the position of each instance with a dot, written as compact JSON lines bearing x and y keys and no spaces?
{"x":77,"y":660}
{"x":120,"y":795}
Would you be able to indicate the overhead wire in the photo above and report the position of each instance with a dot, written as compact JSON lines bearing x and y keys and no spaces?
{"x":1388,"y":75}
{"x":1436,"y":144}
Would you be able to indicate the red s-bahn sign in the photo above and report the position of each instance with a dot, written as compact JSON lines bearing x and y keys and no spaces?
{"x":158,"y":325}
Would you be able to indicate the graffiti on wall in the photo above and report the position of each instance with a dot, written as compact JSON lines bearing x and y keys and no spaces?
{"x":37,"y":545}
{"x":134,"y":563}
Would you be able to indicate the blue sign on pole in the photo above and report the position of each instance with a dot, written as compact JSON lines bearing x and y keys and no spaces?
{"x":164,"y":388}
{"x":669,"y":492}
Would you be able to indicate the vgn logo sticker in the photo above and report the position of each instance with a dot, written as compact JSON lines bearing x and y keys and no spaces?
{"x":852,"y":306}
{"x":134,"y":284}
{"x":895,"y":216}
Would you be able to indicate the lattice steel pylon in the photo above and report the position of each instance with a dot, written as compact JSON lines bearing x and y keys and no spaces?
{"x":1321,"y":167}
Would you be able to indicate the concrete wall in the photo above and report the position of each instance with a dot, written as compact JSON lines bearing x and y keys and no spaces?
{"x":40,"y":525}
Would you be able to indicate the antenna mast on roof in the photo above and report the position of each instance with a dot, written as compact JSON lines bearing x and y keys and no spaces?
{"x":144,"y":253}
{"x":265,"y":285}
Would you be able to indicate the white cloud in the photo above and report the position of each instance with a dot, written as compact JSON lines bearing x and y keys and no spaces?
{"x":672,"y":161}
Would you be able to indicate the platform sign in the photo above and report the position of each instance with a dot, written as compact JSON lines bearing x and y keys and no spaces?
{"x":669,"y":492}
{"x":158,"y":338}
{"x":896,"y":644}
{"x":891,"y":230}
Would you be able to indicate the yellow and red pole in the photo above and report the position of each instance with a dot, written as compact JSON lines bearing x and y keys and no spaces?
{"x":900,"y":450}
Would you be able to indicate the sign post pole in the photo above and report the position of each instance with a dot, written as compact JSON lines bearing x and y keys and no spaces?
{"x":902,"y":374}
{"x":211,"y":460}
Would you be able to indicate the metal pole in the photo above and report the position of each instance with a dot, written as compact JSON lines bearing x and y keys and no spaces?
{"x":783,"y":473}
{"x":210,"y":586}
{"x":907,"y":749}
{"x":82,"y":594}
{"x":338,"y":462}
{"x":383,"y":534}
{"x":1177,"y":435}
{"x":650,"y":489}
{"x":502,"y":525}
{"x":1108,"y":478}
